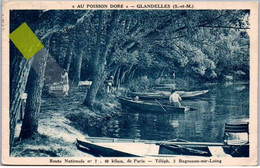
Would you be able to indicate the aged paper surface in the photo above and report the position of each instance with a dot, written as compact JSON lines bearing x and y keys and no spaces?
{"x":43,"y":154}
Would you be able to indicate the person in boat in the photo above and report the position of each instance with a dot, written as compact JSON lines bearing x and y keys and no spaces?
{"x":136,"y":98}
{"x":109,"y":84}
{"x":65,"y":82}
{"x":175,"y":99}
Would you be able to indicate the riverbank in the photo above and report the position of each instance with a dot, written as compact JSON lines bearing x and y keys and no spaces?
{"x":61,"y":121}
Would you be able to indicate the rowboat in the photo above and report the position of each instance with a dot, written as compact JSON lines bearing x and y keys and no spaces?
{"x":169,"y":85}
{"x":152,"y":106}
{"x":117,"y":147}
{"x":166,"y":94}
{"x":165,"y":86}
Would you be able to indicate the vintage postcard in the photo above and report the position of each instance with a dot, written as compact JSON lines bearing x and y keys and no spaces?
{"x":119,"y":83}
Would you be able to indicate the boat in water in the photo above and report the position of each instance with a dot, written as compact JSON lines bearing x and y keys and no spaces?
{"x":117,"y":147}
{"x":154,"y":106}
{"x":166,"y":94}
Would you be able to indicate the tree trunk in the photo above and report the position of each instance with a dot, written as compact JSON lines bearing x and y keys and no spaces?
{"x":34,"y":84}
{"x":113,"y":71}
{"x":131,"y":75}
{"x":100,"y":57}
{"x":161,"y":74}
{"x":19,"y":71}
{"x":78,"y":69}
{"x":91,"y":94}
{"x":124,"y":74}
{"x":69,"y":60}
{"x":117,"y":75}
{"x":122,"y":78}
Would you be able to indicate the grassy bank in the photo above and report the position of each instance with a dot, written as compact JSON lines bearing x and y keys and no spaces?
{"x":103,"y":109}
{"x":61,"y":121}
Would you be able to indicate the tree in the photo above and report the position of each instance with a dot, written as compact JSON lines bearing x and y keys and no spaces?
{"x":105,"y":25}
{"x":36,"y":81}
{"x":34,"y":91}
{"x":19,"y":69}
{"x":78,"y":64}
{"x":43,"y":27}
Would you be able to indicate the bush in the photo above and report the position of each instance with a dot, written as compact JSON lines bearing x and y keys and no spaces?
{"x":104,"y":109}
{"x":141,"y":84}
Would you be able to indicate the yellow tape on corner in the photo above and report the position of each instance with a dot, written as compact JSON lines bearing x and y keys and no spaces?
{"x":26,"y":41}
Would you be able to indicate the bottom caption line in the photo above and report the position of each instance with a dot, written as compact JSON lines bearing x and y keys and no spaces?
{"x":135,"y":161}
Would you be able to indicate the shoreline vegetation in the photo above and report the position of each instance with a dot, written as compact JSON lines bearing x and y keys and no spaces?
{"x":61,"y":121}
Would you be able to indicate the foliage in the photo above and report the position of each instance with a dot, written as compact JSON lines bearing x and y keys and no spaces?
{"x":208,"y":44}
{"x":141,"y":84}
{"x":138,"y":47}
{"x":83,"y":118}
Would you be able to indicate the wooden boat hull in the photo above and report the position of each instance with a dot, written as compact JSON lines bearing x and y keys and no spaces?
{"x":99,"y":150}
{"x":111,"y":147}
{"x":166,"y":94}
{"x":165,"y":87}
{"x":154,"y":107}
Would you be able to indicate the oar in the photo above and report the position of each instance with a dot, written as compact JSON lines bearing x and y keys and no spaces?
{"x":177,"y":140}
{"x":186,"y":149}
{"x":161,"y":105}
{"x":190,"y":108}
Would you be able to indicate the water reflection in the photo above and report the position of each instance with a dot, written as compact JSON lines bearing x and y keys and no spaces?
{"x":221,"y":104}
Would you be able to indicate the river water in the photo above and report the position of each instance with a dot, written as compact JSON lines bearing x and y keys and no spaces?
{"x":223,"y":103}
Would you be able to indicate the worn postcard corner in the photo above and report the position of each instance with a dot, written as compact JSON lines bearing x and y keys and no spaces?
{"x":137,"y":83}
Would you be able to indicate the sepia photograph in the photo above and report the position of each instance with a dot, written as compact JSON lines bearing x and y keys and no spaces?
{"x":102,"y":84}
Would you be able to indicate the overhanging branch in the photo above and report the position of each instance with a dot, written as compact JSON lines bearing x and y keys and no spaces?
{"x":225,"y":27}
